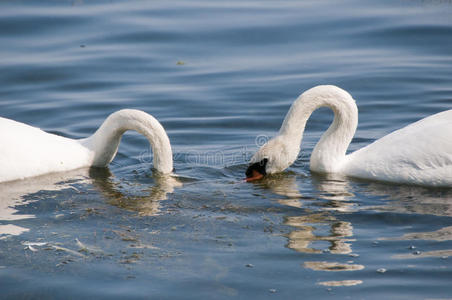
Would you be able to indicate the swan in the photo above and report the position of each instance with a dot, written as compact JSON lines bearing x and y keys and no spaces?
{"x":419,"y":154}
{"x":27,"y":151}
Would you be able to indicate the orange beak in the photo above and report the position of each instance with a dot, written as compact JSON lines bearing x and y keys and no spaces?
{"x":255,"y":175}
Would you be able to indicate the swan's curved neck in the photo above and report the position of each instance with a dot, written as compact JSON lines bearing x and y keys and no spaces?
{"x":105,"y":141}
{"x":329,"y":153}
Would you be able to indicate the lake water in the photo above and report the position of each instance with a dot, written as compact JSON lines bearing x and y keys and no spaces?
{"x":220,"y":76}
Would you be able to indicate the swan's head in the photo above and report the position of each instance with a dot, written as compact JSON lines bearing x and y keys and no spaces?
{"x":274,"y":156}
{"x":256,"y":170}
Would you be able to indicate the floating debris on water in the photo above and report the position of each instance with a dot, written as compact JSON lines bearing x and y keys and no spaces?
{"x":29,"y":245}
{"x":436,"y":253}
{"x":31,"y":248}
{"x":143,"y":246}
{"x":88,"y":249}
{"x":34,"y":243}
{"x":341,"y":283}
{"x":331,"y":266}
{"x":125,"y":236}
{"x":59,"y":248}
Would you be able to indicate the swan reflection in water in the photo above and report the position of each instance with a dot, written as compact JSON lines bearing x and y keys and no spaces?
{"x":147,"y":203}
{"x":23,"y":192}
{"x":335,"y":194}
{"x":319,"y":226}
{"x":284,"y":185}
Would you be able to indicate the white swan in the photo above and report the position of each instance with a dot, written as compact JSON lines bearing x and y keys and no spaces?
{"x":26,"y":151}
{"x":420,"y":153}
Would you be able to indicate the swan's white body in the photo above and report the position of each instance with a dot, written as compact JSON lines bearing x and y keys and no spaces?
{"x":26,"y":151}
{"x":420,"y":153}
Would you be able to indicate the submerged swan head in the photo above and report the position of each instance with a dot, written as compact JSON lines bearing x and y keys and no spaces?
{"x":420,"y":153}
{"x":273,"y":157}
{"x":282,"y":151}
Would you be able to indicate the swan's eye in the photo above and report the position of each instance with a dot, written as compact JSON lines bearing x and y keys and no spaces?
{"x":258,"y":167}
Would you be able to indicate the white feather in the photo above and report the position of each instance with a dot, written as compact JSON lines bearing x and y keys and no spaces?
{"x":26,"y":151}
{"x":420,"y":153}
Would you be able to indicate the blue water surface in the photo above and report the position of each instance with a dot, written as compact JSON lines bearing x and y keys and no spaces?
{"x":220,"y":77}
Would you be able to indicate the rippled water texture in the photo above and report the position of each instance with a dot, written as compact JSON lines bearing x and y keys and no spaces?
{"x":220,"y":76}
